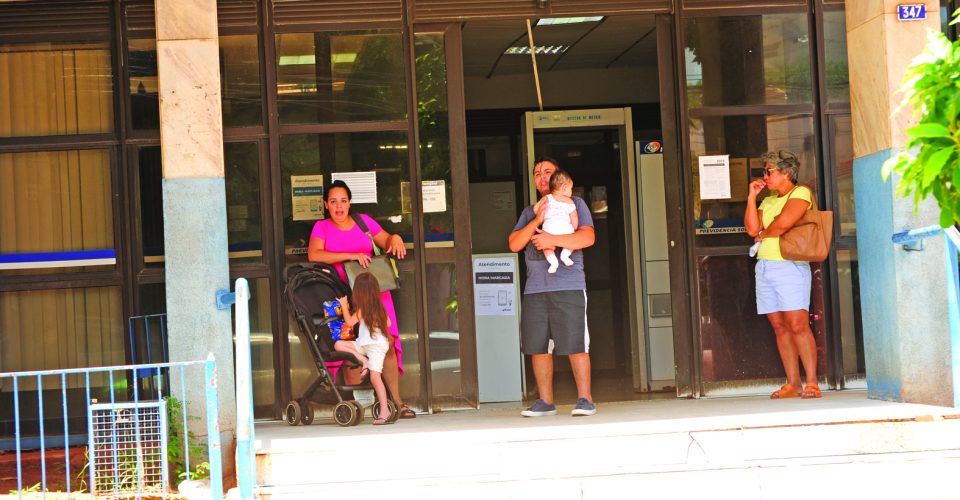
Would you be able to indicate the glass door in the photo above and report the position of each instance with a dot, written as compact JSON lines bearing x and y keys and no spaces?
{"x":444,"y":202}
{"x":749,"y":89}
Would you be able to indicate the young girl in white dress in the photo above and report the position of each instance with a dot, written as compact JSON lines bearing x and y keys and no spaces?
{"x":371,"y":344}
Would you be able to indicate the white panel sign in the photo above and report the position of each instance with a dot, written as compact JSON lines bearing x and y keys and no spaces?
{"x":363,"y":185}
{"x":493,"y":288}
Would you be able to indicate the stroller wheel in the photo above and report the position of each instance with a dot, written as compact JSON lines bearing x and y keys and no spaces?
{"x":345,"y":414}
{"x":394,"y":414}
{"x":293,"y":413}
{"x":394,"y":411}
{"x":359,"y":408}
{"x":306,"y":417}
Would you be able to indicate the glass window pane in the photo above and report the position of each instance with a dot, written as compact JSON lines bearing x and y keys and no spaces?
{"x":340,"y":77}
{"x":261,"y":349}
{"x":56,"y":201}
{"x":240,"y":80}
{"x":242,"y":184}
{"x":737,"y":343}
{"x":835,"y":49}
{"x":745,"y":139}
{"x":144,"y":90}
{"x":385,"y":155}
{"x":382,"y":153}
{"x":55,"y":88}
{"x":947,"y":8}
{"x":151,"y":205}
{"x":242,"y":172}
{"x":58,"y":329}
{"x":763,"y":59}
{"x":851,"y":322}
{"x":846,"y":213}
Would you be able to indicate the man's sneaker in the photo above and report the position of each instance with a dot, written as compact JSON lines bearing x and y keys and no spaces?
{"x":584,"y":408}
{"x":540,"y":409}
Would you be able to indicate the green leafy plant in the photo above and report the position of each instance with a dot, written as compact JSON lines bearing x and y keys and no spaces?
{"x":177,"y":437}
{"x":929,"y":162}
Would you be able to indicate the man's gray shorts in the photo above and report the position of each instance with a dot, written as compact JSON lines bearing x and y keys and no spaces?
{"x":554,"y":322}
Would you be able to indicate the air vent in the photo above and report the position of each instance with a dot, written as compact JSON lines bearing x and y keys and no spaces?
{"x":231,"y":14}
{"x":89,"y":20}
{"x":304,"y":13}
{"x":724,"y":7}
{"x":458,"y":10}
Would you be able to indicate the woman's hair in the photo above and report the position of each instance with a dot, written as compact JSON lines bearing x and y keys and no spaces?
{"x":785,"y":161}
{"x":366,"y":301}
{"x":337,"y":184}
{"x":559,"y":178}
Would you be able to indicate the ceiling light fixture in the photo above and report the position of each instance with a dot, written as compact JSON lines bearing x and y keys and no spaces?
{"x":551,"y":21}
{"x":542,"y":50}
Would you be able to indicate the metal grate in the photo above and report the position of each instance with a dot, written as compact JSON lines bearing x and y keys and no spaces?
{"x":128,"y":447}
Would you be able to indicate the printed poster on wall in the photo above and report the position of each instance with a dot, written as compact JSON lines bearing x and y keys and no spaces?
{"x":307,"y":194}
{"x":715,"y":177}
{"x":363,"y":185}
{"x":494,"y":291}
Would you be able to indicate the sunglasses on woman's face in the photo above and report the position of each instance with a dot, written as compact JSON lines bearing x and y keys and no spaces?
{"x":768,"y":171}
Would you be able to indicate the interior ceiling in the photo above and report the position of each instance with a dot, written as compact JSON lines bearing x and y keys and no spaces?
{"x":612,"y":42}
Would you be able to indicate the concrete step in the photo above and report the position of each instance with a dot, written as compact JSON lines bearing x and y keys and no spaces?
{"x":751,"y":446}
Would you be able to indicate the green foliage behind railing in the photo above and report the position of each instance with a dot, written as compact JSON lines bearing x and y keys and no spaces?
{"x":929,"y":162}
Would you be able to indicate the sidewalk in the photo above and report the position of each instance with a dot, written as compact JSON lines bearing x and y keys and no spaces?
{"x":841,"y":445}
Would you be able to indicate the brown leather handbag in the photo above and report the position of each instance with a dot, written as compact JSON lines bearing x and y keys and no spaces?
{"x":810,"y":238}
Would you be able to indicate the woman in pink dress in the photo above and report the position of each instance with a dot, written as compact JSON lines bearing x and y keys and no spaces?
{"x":339,"y":239}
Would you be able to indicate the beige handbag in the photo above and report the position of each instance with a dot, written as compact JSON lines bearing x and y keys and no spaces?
{"x":382,"y":267}
{"x":810,"y":238}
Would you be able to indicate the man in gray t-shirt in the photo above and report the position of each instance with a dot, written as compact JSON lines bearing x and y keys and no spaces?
{"x":554,"y":313}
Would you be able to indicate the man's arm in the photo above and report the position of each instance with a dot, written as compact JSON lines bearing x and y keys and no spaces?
{"x":582,"y":238}
{"x":519,"y":238}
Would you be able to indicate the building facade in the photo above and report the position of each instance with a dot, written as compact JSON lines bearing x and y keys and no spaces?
{"x":425,"y":103}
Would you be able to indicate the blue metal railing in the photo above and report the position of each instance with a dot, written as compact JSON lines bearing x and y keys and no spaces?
{"x":912,"y":240}
{"x":246,"y":454}
{"x":131,"y":371}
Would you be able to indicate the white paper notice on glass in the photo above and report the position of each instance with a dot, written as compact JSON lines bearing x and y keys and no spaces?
{"x":715,"y":177}
{"x":494,"y":291}
{"x":434,"y":196}
{"x":363,"y":185}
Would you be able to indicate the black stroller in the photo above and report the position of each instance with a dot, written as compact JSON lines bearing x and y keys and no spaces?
{"x":308,"y":285}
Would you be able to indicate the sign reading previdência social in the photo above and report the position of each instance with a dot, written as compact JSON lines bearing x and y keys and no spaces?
{"x":911,"y":12}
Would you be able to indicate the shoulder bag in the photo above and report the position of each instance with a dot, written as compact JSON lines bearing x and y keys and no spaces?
{"x":383,"y":267}
{"x":810,"y":238}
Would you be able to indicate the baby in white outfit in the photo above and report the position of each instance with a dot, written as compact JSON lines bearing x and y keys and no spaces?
{"x":560,"y":217}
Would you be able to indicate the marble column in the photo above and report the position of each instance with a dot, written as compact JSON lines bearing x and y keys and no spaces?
{"x":194,"y":205}
{"x":902,"y":293}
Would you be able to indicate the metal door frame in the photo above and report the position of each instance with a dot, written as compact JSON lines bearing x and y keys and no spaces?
{"x":622,"y":120}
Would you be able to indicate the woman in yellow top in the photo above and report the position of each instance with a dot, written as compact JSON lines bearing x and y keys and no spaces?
{"x":783,"y":286}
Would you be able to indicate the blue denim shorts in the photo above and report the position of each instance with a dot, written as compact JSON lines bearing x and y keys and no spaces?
{"x":782,"y":285}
